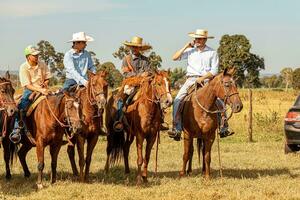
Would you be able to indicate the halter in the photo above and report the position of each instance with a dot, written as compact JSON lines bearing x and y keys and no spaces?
{"x":227,"y":96}
{"x":3,"y":102}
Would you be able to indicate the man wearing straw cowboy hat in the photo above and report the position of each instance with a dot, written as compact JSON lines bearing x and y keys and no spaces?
{"x":203,"y":63}
{"x":78,"y":61}
{"x":133,"y":64}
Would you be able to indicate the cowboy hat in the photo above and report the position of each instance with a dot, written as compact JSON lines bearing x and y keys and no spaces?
{"x":81,"y":36}
{"x":137,"y":42}
{"x":200,"y":33}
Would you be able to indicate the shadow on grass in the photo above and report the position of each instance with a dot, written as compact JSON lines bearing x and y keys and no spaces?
{"x":19,"y":186}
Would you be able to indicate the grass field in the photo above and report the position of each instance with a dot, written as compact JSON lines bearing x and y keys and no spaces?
{"x":258,"y":170}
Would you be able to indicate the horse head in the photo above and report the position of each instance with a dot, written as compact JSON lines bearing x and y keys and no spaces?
{"x":73,"y":112}
{"x":7,"y":91}
{"x":161,"y":85}
{"x":226,"y":90}
{"x":98,"y":89}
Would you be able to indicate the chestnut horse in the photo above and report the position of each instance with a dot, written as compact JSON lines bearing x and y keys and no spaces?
{"x":144,"y":118}
{"x":200,"y":118}
{"x":93,"y":101}
{"x":47,"y":127}
{"x":8,"y":110}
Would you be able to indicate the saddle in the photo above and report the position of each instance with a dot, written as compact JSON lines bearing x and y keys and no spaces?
{"x":36,"y":98}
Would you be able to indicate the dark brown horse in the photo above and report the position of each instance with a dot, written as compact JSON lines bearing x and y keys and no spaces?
{"x":144,"y":117}
{"x":8,"y":109}
{"x":93,"y":101}
{"x":47,"y":125}
{"x":200,"y":118}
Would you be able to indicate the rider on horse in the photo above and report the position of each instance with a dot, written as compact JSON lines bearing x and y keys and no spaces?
{"x":78,"y":61}
{"x":34,"y":77}
{"x":203,"y":63}
{"x":134,"y":64}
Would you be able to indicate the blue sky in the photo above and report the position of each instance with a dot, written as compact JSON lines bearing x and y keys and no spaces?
{"x":272,"y":26}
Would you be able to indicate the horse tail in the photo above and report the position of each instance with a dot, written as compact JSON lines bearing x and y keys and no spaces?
{"x":199,"y":148}
{"x":13,"y":151}
{"x":115,"y":140}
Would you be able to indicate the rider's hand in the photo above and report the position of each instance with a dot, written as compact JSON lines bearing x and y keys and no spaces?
{"x":44,"y":91}
{"x":200,"y":80}
{"x":189,"y":44}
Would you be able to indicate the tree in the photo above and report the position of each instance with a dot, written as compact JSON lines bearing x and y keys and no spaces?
{"x":177,"y":74}
{"x":114,"y":77}
{"x":154,"y":59}
{"x":234,"y":51}
{"x":53,"y":59}
{"x":287,"y":76}
{"x":296,"y":78}
{"x":271,"y":81}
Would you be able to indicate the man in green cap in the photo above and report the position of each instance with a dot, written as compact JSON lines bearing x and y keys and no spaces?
{"x":34,"y":77}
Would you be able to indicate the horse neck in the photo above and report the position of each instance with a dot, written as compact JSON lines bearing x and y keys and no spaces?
{"x":149,"y":98}
{"x":207,"y":94}
{"x":87,"y":108}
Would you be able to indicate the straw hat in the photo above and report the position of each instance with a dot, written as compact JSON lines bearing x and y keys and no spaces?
{"x":200,"y":33}
{"x":81,"y":36}
{"x":137,"y":42}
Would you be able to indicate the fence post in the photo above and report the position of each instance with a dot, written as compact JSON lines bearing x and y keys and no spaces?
{"x":250,"y":127}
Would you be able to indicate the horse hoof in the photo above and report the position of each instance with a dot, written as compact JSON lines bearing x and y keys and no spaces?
{"x":39,"y":186}
{"x":145,"y":180}
{"x":181,"y":174}
{"x":27,"y":175}
{"x":8,"y":177}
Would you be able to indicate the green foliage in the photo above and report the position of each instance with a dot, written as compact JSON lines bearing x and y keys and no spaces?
{"x":234,"y":51}
{"x":176,"y":75}
{"x":296,"y":78}
{"x":271,"y":81}
{"x":114,"y":77}
{"x":53,"y":59}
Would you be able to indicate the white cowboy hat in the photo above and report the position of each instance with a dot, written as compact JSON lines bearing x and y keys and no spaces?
{"x":137,"y":42}
{"x":81,"y":36}
{"x":200,"y":33}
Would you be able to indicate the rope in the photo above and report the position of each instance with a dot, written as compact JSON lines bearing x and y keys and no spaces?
{"x":156,"y":153}
{"x":51,"y":111}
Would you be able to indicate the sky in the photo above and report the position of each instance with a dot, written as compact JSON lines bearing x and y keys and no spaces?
{"x":272,"y":26}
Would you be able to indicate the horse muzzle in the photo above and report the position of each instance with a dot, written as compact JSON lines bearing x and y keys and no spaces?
{"x":237,"y":107}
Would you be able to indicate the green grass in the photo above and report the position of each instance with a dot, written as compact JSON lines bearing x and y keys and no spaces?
{"x":258,"y":170}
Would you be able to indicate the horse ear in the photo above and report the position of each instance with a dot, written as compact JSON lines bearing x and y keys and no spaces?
{"x":90,"y":74}
{"x":225,"y":71}
{"x":7,"y":75}
{"x":232,"y":71}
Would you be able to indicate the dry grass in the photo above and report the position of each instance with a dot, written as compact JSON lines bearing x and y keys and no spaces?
{"x":256,"y":170}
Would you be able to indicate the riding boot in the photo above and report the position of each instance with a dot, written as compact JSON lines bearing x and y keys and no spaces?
{"x":118,"y":123}
{"x":175,"y":134}
{"x":224,"y":127}
{"x":15,"y":135}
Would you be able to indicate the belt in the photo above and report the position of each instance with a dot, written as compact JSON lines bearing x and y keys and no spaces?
{"x":193,"y":76}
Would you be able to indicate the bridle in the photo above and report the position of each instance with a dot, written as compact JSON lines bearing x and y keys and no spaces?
{"x":68,"y":118}
{"x":226,"y":85}
{"x":3,"y":101}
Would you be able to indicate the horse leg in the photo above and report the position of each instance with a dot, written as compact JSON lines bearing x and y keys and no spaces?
{"x":187,"y":144}
{"x":54,"y":150}
{"x":40,"y":157}
{"x":6,"y":151}
{"x":191,"y":152}
{"x":80,"y":150}
{"x":126,"y":150}
{"x":22,"y":157}
{"x":91,"y":143}
{"x":139,"y":145}
{"x":149,"y":145}
{"x":207,"y":154}
{"x":203,"y":159}
{"x":71,"y":154}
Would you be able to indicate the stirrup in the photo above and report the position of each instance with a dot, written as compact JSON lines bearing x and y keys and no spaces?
{"x":15,"y":136}
{"x":175,"y":134}
{"x":118,"y":126}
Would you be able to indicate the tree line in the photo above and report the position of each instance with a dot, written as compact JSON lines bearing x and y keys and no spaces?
{"x":233,"y":51}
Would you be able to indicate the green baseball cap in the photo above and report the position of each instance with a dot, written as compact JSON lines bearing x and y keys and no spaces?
{"x":31,"y":50}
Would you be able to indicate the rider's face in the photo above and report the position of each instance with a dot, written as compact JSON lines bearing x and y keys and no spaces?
{"x":33,"y":58}
{"x":80,"y":45}
{"x":135,"y":50}
{"x":200,"y":42}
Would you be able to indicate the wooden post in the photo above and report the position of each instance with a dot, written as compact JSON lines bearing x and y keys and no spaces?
{"x":250,"y":128}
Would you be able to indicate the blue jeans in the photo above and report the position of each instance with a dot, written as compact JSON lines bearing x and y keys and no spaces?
{"x":24,"y":103}
{"x":68,"y":83}
{"x":177,"y":121}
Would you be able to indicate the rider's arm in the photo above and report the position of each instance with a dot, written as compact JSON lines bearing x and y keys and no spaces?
{"x":213,"y":70}
{"x":37,"y":89}
{"x":91,"y":65}
{"x":69,"y":66}
{"x":178,"y":54}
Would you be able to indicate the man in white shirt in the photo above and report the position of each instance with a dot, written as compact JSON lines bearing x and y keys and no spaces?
{"x":203,"y":63}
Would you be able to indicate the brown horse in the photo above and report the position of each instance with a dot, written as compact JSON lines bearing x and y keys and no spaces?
{"x":47,"y":126}
{"x":144,"y":117}
{"x":8,"y":109}
{"x":93,"y":101}
{"x":202,"y":122}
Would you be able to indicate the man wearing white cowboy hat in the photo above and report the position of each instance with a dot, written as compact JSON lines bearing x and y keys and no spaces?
{"x":34,"y":77}
{"x":78,"y":61}
{"x":203,"y":63}
{"x":132,"y":65}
